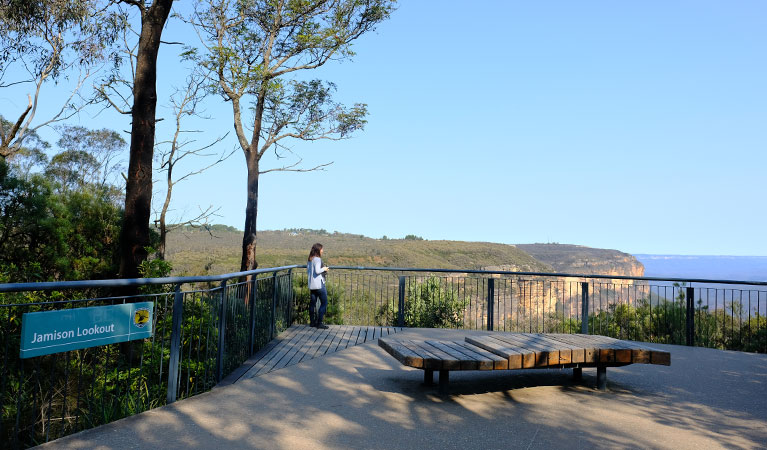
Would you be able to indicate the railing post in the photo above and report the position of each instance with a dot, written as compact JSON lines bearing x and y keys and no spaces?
{"x":585,"y":307}
{"x":690,"y":322}
{"x":221,"y":333}
{"x":175,"y":344}
{"x":275,"y":291}
{"x":401,"y":303}
{"x":252,"y":301}
{"x":290,"y":297}
{"x":490,"y":303}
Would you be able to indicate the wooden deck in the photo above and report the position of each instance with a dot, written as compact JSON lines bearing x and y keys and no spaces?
{"x":302,"y":342}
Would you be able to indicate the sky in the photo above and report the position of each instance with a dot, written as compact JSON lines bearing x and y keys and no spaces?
{"x":636,"y":126}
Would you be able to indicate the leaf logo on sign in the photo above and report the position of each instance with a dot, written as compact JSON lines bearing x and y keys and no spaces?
{"x":141,"y":318}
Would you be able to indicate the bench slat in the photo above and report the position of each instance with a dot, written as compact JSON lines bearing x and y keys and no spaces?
{"x":515,"y":357}
{"x":448,"y":362}
{"x":464,"y":362}
{"x":485,"y":359}
{"x":590,"y":348}
{"x":430,"y":360}
{"x":401,"y":353}
{"x":639,"y":353}
{"x":545,"y":355}
{"x":577,"y":354}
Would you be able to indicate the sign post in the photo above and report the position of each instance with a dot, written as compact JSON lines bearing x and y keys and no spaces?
{"x":43,"y":333}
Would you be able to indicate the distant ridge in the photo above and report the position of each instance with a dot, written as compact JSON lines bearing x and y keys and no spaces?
{"x":198,"y":251}
{"x":217,"y":250}
{"x":577,"y":259}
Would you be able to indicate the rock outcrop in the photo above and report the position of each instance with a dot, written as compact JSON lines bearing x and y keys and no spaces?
{"x":577,"y":259}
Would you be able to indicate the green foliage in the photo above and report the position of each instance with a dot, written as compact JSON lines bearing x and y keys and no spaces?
{"x":54,"y":34}
{"x":413,"y":237}
{"x":89,"y":160}
{"x":252,"y":45}
{"x":44,"y":40}
{"x":51,"y":234}
{"x":64,"y":225}
{"x":301,"y":297}
{"x":661,"y":320}
{"x":428,"y":304}
{"x":431,"y":304}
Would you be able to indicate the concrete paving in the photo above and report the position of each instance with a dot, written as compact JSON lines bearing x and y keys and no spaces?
{"x":362,"y":398}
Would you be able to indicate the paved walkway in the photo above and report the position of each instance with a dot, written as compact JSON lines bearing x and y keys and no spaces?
{"x":362,"y":398}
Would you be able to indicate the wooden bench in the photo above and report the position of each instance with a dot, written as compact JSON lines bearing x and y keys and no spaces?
{"x":508,"y":351}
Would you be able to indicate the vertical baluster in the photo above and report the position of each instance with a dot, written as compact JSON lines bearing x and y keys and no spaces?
{"x":585,"y":307}
{"x":175,"y":344}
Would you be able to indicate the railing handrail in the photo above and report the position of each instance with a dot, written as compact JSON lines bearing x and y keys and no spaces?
{"x":86,"y":284}
{"x":551,"y":274}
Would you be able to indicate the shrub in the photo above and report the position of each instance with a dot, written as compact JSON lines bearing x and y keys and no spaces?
{"x":429,"y":304}
{"x":335,"y":312}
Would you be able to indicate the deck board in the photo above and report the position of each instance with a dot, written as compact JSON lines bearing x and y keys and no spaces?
{"x":301,"y":343}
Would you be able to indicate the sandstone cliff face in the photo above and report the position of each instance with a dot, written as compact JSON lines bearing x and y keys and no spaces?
{"x":576,"y":259}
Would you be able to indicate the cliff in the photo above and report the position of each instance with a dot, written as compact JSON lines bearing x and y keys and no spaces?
{"x":577,"y":259}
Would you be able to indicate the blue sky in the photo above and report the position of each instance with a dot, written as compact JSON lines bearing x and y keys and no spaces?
{"x":638,"y":126}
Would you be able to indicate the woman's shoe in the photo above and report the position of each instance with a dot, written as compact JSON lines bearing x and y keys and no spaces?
{"x":322,"y":326}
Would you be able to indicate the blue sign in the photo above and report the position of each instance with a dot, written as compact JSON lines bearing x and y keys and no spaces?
{"x":43,"y":333}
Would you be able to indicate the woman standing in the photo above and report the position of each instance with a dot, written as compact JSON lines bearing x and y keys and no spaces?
{"x":316,"y":276}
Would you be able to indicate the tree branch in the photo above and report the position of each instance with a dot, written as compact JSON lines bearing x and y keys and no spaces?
{"x":290,"y":168}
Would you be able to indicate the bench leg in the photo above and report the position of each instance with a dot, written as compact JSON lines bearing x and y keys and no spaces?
{"x":428,"y":377}
{"x":444,"y":380}
{"x":577,"y":373}
{"x":602,"y":378}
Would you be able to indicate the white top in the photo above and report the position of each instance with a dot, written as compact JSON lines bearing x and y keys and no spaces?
{"x":314,"y":271}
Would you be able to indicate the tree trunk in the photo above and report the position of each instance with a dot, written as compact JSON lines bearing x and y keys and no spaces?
{"x":251,"y":214}
{"x":165,"y":206}
{"x":252,"y":158}
{"x":134,"y":236}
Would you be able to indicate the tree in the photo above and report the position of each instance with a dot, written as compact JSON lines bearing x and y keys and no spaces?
{"x":61,"y":226}
{"x":44,"y":40}
{"x":88,"y":157}
{"x":185,"y":103}
{"x":30,"y":154}
{"x":135,"y":235}
{"x":251,"y":47}
{"x":48,"y":37}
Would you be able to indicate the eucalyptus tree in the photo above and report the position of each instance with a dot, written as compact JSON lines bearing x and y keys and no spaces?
{"x":185,"y":103}
{"x":254,"y":50}
{"x":43,"y":41}
{"x":47,"y":39}
{"x":134,"y":235}
{"x":88,"y":158}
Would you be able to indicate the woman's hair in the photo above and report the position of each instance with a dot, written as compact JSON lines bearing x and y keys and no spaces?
{"x":315,"y":251}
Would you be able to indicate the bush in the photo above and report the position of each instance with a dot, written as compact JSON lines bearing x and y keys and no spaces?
{"x":428,"y":304}
{"x":335,"y":312}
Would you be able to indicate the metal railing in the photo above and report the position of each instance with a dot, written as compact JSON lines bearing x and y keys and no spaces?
{"x":206,"y":331}
{"x":201,"y":334}
{"x":725,"y":314}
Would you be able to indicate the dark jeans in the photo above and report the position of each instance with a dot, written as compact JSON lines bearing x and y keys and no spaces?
{"x":322,"y":296}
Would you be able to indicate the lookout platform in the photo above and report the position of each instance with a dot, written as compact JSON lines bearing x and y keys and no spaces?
{"x":361,"y":397}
